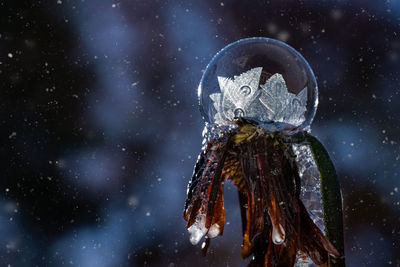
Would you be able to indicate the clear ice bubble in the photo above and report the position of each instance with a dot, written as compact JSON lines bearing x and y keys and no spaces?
{"x":258,"y":78}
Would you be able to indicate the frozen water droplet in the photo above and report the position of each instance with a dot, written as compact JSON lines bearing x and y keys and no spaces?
{"x":197,"y":230}
{"x":278,"y":238}
{"x":245,"y":90}
{"x":214,"y":231}
{"x":239,"y":113}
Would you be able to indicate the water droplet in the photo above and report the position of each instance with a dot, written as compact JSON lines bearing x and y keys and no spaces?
{"x":245,"y":90}
{"x":214,"y":231}
{"x":277,"y":237}
{"x":239,"y":112}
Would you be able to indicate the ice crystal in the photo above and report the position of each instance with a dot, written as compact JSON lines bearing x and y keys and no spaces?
{"x":244,"y":96}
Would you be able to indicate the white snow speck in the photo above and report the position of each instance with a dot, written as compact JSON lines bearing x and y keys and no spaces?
{"x":12,"y":135}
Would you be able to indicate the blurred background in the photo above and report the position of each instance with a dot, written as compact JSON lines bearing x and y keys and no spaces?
{"x":100,"y":127}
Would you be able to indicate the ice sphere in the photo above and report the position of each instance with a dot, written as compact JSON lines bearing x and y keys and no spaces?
{"x":258,"y":78}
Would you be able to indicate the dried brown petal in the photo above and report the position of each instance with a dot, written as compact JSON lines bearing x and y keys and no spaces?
{"x":275,"y":223}
{"x":204,"y":209}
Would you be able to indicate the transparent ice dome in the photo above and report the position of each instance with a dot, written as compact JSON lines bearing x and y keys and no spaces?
{"x":258,"y":78}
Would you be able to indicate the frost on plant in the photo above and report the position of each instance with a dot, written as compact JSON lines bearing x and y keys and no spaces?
{"x":244,"y":96}
{"x":277,"y":228}
{"x":258,"y":115}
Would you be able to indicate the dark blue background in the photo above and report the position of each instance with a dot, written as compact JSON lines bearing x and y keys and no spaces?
{"x":100,"y":128}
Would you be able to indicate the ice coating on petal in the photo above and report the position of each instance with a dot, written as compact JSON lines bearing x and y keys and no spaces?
{"x":310,"y":183}
{"x":310,"y":193}
{"x":214,"y":231}
{"x":197,"y":230}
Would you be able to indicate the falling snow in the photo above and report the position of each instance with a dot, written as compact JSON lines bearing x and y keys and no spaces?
{"x":100,"y":124}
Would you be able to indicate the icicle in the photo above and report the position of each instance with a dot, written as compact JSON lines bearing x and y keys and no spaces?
{"x":214,"y":231}
{"x":276,"y":237}
{"x":197,"y":230}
